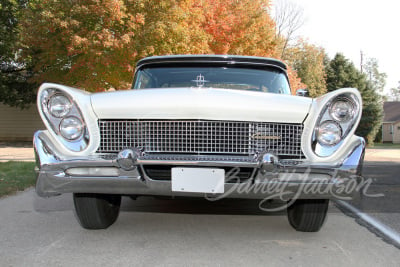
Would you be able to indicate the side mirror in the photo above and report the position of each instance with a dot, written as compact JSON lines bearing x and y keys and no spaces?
{"x":302,"y":92}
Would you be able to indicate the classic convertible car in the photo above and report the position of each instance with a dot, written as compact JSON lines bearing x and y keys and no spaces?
{"x":199,"y":126}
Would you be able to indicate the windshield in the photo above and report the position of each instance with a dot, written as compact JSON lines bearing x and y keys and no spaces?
{"x":269,"y":80}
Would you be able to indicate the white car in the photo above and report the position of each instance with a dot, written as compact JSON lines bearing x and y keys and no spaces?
{"x":199,"y":125}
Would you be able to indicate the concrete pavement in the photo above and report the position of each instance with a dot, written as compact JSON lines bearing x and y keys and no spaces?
{"x":152,"y":232}
{"x":381,"y":155}
{"x":16,"y":151}
{"x":36,"y":231}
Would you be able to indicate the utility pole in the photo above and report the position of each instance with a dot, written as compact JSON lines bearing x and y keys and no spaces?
{"x":361,"y":60}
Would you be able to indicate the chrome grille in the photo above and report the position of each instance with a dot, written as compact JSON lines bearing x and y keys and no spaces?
{"x":201,"y":137}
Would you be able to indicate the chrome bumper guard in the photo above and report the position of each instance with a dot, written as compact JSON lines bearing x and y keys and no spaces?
{"x":124,"y":175}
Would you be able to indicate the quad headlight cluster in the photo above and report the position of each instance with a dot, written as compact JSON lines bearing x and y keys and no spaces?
{"x":65,"y":118}
{"x":336,"y":120}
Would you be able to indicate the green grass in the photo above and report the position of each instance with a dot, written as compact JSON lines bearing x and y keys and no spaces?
{"x":16,"y":176}
{"x":386,"y":146}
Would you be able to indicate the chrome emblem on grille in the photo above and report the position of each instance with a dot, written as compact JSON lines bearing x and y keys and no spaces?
{"x":260,"y":136}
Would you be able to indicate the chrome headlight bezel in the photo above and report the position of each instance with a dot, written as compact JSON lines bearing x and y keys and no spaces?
{"x":345,"y":122}
{"x":77,"y":143}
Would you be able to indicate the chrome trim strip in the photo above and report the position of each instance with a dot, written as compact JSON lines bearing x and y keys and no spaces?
{"x":198,"y":163}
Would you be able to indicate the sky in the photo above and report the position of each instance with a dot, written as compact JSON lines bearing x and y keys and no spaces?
{"x":352,"y":26}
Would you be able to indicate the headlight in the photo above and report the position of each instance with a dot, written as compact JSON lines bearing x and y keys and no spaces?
{"x":59,"y":106}
{"x":71,"y":128}
{"x":342,"y":109}
{"x":63,"y":116}
{"x":337,"y":120}
{"x":329,"y":133}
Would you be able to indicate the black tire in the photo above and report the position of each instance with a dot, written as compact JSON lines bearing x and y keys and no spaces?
{"x":308,"y":215}
{"x":96,"y":211}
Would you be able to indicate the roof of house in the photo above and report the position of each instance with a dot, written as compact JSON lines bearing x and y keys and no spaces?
{"x":392,"y":111}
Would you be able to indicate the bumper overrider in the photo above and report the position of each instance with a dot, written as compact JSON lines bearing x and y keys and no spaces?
{"x":125,"y":175}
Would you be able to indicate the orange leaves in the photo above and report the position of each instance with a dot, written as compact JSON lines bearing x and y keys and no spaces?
{"x":239,"y":27}
{"x":95,"y":44}
{"x":81,"y":43}
{"x":139,"y":19}
{"x":295,"y":81}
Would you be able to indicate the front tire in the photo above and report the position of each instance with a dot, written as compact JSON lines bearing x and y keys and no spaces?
{"x":96,"y":211}
{"x":308,"y":215}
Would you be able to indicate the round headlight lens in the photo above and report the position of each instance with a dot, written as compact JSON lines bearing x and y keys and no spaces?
{"x":329,"y":133}
{"x":71,"y":128}
{"x":342,"y":110}
{"x":59,"y":106}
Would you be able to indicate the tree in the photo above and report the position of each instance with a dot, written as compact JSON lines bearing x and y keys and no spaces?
{"x":84,"y":44}
{"x":342,"y":73}
{"x":395,"y":93}
{"x":169,"y":27}
{"x":14,"y":88}
{"x":376,"y":78}
{"x":308,"y":61}
{"x":288,"y":18}
{"x":95,"y":44}
{"x":294,"y":80}
{"x":8,"y":29}
{"x":239,"y":27}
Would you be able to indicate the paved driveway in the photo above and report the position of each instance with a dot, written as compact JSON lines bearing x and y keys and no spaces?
{"x":36,"y":232}
{"x":16,"y":151}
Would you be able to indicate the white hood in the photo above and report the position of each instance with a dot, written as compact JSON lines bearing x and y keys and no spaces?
{"x":200,"y":103}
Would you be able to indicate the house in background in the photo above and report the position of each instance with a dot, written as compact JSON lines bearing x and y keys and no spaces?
{"x":391,"y":122}
{"x":17,"y":124}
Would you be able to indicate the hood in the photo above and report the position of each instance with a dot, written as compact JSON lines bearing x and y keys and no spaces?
{"x":200,"y":103}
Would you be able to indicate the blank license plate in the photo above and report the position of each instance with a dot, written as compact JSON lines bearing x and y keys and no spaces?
{"x":199,"y":180}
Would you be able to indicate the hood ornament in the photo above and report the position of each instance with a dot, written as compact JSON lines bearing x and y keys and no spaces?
{"x":200,"y":81}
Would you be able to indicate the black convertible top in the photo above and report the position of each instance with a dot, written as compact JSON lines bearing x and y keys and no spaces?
{"x":224,"y":59}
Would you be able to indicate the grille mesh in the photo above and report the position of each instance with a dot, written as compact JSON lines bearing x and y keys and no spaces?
{"x":201,"y":137}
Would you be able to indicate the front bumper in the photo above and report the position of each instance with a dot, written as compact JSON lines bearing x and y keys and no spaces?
{"x":57,"y":175}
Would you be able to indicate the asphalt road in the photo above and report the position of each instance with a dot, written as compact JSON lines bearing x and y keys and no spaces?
{"x":153,"y":232}
{"x":385,"y":177}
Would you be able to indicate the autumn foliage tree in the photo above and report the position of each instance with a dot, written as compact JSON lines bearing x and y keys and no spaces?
{"x":169,"y":27}
{"x":84,"y":44}
{"x":239,"y":27}
{"x":308,"y":61}
{"x":95,"y":44}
